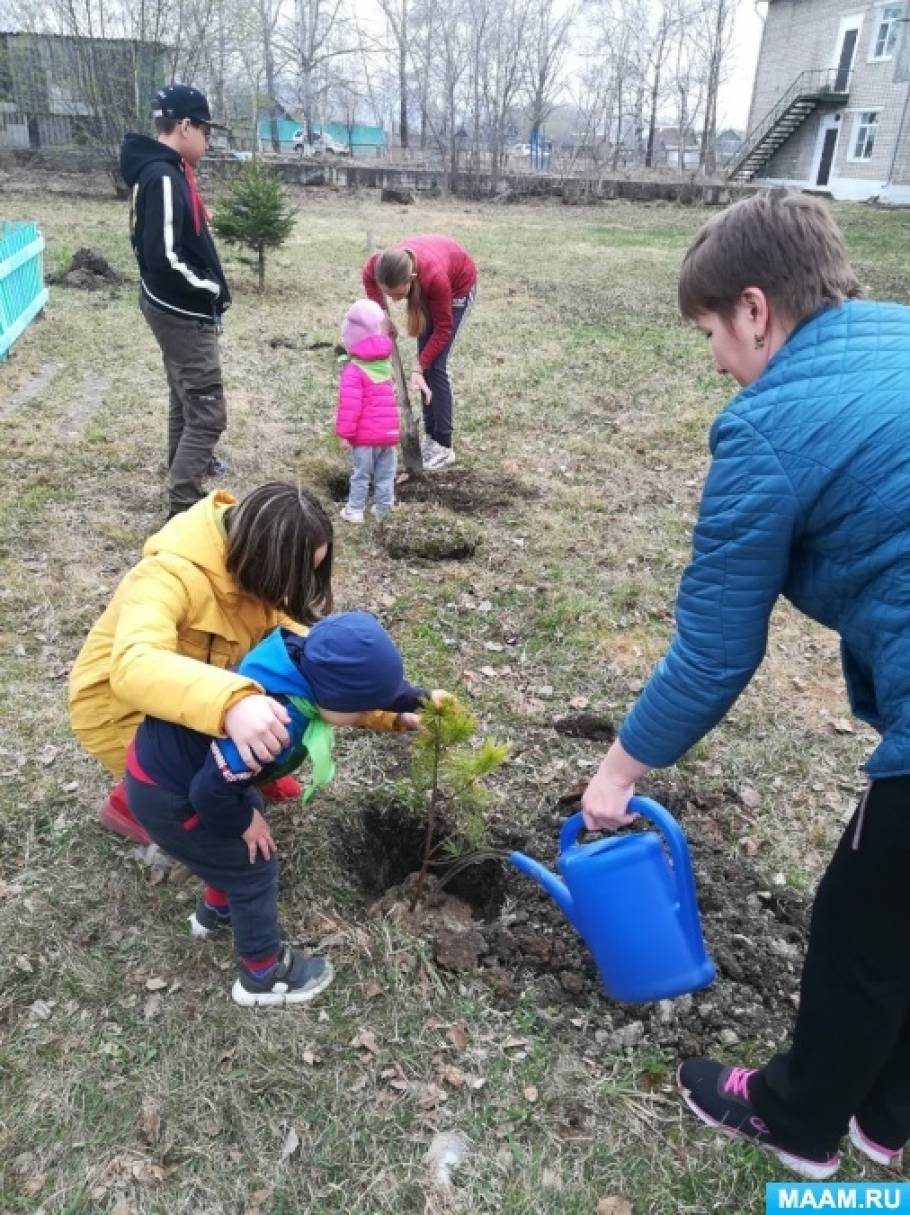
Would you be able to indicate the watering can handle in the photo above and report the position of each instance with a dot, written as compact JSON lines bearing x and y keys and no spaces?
{"x":676,"y":841}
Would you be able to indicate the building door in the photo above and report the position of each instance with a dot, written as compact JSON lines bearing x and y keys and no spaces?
{"x":845,"y":62}
{"x":827,"y":157}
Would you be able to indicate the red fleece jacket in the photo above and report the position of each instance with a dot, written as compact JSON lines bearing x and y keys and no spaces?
{"x":445,"y":272}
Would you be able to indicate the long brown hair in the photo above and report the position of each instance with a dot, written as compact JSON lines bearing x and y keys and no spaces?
{"x":273,"y":535}
{"x":394,"y":269}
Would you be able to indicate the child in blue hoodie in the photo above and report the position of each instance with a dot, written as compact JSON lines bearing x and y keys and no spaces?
{"x":200,"y":802}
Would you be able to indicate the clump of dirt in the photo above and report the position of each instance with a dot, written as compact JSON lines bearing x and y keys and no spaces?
{"x":464,"y":490}
{"x":586,"y":725}
{"x":88,"y":270}
{"x":432,"y":534}
{"x":755,"y":932}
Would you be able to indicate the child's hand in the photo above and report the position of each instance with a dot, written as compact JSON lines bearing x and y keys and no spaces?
{"x":411,"y":721}
{"x":256,"y":727}
{"x":344,"y":444}
{"x":258,"y":837}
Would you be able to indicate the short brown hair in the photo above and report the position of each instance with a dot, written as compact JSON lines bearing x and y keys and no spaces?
{"x":785,"y":243}
{"x":273,"y":535}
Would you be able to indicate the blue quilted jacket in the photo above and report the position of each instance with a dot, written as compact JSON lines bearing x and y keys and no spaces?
{"x":807,"y":496}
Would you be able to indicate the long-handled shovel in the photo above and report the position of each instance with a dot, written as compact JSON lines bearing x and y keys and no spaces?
{"x":410,"y":434}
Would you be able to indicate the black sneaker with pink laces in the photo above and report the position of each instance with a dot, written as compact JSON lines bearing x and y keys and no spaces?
{"x":719,"y":1095}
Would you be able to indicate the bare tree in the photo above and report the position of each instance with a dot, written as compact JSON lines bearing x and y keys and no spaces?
{"x":397,"y":14}
{"x":716,"y":30}
{"x":545,"y":42}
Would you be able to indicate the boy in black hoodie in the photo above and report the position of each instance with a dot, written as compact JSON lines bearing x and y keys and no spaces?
{"x":183,"y":291}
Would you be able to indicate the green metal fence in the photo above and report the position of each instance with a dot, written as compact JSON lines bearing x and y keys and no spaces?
{"x":22,"y":290}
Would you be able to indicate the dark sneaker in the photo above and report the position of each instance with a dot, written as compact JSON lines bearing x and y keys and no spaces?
{"x":205,"y":920}
{"x":881,"y":1153}
{"x":295,"y":979}
{"x":720,"y":1097}
{"x":217,"y":467}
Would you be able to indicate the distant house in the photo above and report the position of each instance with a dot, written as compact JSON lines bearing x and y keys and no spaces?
{"x":364,"y":139}
{"x":831,"y":101}
{"x":57,"y":90}
{"x":667,"y":145}
{"x":727,"y":144}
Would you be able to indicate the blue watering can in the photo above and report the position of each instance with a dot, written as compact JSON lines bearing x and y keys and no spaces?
{"x":635,"y":912}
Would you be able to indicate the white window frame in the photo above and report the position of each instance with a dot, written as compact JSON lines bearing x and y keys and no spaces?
{"x":893,"y":31}
{"x":858,"y":125}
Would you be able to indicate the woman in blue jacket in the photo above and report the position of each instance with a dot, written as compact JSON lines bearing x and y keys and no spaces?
{"x":807,"y":496}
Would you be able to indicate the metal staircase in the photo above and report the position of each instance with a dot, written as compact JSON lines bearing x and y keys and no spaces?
{"x":810,"y":89}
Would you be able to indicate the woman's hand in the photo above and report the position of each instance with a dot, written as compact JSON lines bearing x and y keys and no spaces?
{"x":419,"y":384}
{"x":258,"y":838}
{"x":256,"y":727}
{"x":604,"y":801}
{"x":389,"y":328}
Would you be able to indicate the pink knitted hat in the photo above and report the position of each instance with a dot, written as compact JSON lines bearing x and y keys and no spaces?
{"x":363,"y":319}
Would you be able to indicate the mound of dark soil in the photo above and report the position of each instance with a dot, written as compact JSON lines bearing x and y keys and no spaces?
{"x":88,"y":270}
{"x":755,"y":932}
{"x":464,"y":490}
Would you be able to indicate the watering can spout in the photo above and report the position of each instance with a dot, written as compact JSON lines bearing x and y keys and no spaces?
{"x":554,"y":886}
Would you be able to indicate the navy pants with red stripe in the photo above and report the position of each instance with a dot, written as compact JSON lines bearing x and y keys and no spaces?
{"x":220,"y":861}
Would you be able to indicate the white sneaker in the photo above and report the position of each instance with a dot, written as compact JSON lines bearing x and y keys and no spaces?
{"x":426,"y":446}
{"x":351,"y":516}
{"x":440,"y":457}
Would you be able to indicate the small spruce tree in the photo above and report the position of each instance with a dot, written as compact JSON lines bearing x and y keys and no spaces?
{"x":446,"y":770}
{"x":256,"y":213}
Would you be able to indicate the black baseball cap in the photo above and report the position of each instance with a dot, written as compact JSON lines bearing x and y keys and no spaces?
{"x":179,"y":101}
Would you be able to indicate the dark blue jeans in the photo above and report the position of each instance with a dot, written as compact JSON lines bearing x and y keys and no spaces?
{"x":437,"y":416}
{"x":221,"y":861}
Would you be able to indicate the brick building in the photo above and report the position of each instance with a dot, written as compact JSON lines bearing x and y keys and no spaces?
{"x":831,"y":101}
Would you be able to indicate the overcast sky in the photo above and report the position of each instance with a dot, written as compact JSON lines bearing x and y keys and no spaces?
{"x":736,"y":92}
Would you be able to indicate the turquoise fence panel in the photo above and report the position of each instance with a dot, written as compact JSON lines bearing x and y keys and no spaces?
{"x":22,"y":290}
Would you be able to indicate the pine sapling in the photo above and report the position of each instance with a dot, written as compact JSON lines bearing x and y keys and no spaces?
{"x":256,"y":213}
{"x":444,"y":769}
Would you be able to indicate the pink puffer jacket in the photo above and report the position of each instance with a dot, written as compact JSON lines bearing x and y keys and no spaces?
{"x":367,"y":414}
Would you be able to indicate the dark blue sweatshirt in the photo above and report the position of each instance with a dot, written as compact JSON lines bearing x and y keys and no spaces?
{"x":209,"y":771}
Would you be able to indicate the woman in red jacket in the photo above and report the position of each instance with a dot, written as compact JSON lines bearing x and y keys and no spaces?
{"x":439,"y":281}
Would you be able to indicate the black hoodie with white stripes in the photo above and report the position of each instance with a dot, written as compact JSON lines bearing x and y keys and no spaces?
{"x":178,"y":266}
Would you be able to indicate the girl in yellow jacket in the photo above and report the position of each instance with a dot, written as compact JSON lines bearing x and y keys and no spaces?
{"x":211,"y":584}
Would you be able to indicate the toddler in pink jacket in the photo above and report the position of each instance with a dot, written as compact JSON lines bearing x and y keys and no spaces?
{"x":366,"y":420}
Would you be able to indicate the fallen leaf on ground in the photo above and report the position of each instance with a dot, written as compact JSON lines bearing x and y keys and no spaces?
{"x":155,"y":984}
{"x":841,"y":725}
{"x":373,"y":989}
{"x":614,"y":1206}
{"x":446,"y":1152}
{"x":150,"y":1121}
{"x":291,"y":1144}
{"x":366,"y":1040}
{"x":530,"y":1093}
{"x":457,"y":1034}
{"x":152,"y":1006}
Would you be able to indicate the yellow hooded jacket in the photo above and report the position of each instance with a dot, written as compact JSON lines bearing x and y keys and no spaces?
{"x":176,"y":622}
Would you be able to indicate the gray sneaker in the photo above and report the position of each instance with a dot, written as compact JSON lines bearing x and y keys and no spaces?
{"x":294,"y":979}
{"x":441,"y":457}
